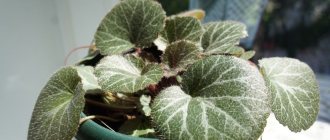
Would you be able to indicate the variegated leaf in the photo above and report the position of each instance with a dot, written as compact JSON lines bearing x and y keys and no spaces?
{"x":294,"y":90}
{"x":57,"y":111}
{"x":126,"y":74}
{"x":223,"y":97}
{"x":88,"y":79}
{"x":131,"y":23}
{"x":182,"y":28}
{"x":179,"y":28}
{"x":221,"y":37}
{"x":180,"y":54}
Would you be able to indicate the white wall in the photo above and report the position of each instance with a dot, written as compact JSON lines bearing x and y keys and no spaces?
{"x":35,"y":36}
{"x":79,"y":20}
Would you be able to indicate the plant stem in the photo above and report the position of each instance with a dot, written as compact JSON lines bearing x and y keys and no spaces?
{"x":97,"y":117}
{"x":107,"y":126}
{"x":73,"y":50}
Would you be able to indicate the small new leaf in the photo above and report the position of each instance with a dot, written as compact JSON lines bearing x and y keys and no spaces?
{"x":57,"y":111}
{"x":126,"y":74}
{"x":220,"y":37}
{"x":131,"y":23}
{"x":294,"y":90}
{"x":223,"y":97}
{"x":180,"y":54}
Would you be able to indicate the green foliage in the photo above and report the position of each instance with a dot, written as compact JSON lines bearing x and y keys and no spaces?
{"x":218,"y":95}
{"x":57,"y":111}
{"x":180,"y":54}
{"x":126,"y":74}
{"x":199,"y":86}
{"x":132,"y":23}
{"x":179,"y":28}
{"x":88,"y":79}
{"x":294,"y":90}
{"x":182,"y":28}
{"x":222,"y":37}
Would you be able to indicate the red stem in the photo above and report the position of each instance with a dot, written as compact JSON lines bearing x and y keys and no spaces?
{"x":73,"y":50}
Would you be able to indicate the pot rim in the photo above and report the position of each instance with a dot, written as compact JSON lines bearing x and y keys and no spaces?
{"x":90,"y":129}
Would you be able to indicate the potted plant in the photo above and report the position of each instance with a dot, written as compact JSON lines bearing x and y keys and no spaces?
{"x":148,"y":75}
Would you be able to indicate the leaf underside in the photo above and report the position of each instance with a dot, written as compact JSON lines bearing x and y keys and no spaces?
{"x":57,"y":111}
{"x":294,"y":90}
{"x":196,"y":13}
{"x":131,"y":23}
{"x":247,"y":55}
{"x":221,"y":37}
{"x":223,"y":97}
{"x":126,"y":74}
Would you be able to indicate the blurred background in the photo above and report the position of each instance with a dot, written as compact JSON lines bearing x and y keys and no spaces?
{"x":36,"y":35}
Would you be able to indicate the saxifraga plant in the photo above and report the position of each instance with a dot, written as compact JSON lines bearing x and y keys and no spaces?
{"x":174,"y":78}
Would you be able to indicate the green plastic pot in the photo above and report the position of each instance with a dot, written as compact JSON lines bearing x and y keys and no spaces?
{"x":90,"y":130}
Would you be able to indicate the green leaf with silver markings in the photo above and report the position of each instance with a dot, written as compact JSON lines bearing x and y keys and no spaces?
{"x":57,"y":111}
{"x":88,"y":79}
{"x":294,"y":90}
{"x":180,"y":54}
{"x":126,"y":74}
{"x":130,"y":24}
{"x":222,"y":97}
{"x":179,"y":28}
{"x":220,"y":37}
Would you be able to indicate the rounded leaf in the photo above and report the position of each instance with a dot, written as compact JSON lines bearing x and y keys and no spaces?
{"x":177,"y":29}
{"x":220,"y":37}
{"x":182,"y":28}
{"x":131,"y":23}
{"x":57,"y":111}
{"x":223,"y":97}
{"x":294,"y":90}
{"x":180,"y":54}
{"x":126,"y":74}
